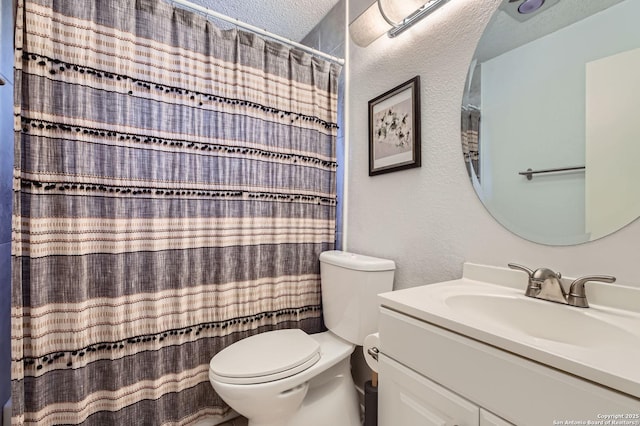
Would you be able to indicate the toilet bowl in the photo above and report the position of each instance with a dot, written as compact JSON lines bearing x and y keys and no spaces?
{"x":291,"y":378}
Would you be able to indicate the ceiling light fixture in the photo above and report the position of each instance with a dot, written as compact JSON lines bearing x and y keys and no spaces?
{"x":530,"y":6}
{"x":390,"y":16}
{"x":523,"y":10}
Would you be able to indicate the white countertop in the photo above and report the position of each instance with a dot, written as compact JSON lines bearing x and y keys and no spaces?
{"x":605,"y":351}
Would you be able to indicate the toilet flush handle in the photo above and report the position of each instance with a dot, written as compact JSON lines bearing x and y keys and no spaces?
{"x":373,"y":352}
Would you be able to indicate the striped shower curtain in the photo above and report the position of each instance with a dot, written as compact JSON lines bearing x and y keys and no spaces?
{"x":470,"y":124}
{"x":174,"y":185}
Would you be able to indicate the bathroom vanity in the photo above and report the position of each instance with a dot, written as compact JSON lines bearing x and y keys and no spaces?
{"x":476,"y":351}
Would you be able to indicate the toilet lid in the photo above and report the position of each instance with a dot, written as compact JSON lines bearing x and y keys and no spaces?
{"x":265,"y":357}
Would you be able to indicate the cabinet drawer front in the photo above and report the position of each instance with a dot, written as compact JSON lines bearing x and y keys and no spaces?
{"x":409,"y":399}
{"x":519,"y":390}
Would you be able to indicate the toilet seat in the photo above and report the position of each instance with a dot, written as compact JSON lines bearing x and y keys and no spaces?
{"x":265,"y":357}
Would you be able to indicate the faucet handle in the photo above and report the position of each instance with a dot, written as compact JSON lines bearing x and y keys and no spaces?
{"x":533,"y":286}
{"x":539,"y":274}
{"x":577,"y":295}
{"x":521,"y":268}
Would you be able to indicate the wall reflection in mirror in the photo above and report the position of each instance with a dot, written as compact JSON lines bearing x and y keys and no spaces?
{"x":556,"y":88}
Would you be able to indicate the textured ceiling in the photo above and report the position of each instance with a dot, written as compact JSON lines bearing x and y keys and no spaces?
{"x":292,"y":19}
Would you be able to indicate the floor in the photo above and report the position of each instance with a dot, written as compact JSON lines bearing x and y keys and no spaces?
{"x":209,"y":421}
{"x":238,"y":421}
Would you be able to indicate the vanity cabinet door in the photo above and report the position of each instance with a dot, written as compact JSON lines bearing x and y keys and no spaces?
{"x":409,"y":399}
{"x":488,"y":419}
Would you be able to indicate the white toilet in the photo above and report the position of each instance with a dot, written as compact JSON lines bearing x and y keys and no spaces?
{"x":290,"y":378}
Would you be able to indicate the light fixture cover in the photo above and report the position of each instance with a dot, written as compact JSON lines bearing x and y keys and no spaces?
{"x":530,"y":6}
{"x":368,"y":26}
{"x":522,"y":10}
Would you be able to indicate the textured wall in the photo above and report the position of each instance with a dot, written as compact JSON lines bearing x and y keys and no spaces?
{"x":429,"y":220}
{"x":329,"y":37}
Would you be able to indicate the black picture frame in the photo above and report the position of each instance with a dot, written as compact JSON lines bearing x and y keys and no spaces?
{"x":394,"y":129}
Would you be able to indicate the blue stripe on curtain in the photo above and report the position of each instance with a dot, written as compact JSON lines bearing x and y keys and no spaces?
{"x":174,"y":184}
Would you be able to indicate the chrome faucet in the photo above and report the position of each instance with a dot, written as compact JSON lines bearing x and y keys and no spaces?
{"x":546,"y":285}
{"x":543,"y":284}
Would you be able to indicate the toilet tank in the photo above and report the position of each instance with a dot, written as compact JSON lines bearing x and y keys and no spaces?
{"x":350,"y":284}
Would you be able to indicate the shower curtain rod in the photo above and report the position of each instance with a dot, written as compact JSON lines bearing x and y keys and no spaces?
{"x":257,"y":30}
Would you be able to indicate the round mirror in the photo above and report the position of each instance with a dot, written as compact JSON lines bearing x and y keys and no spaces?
{"x":549,"y":112}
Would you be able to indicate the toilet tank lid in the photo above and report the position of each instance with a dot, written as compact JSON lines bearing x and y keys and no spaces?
{"x":356,"y":262}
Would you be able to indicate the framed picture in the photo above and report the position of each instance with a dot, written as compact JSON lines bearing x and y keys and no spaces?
{"x":394,"y":129}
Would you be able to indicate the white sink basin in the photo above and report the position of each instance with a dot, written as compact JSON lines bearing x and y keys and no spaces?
{"x":541,"y":319}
